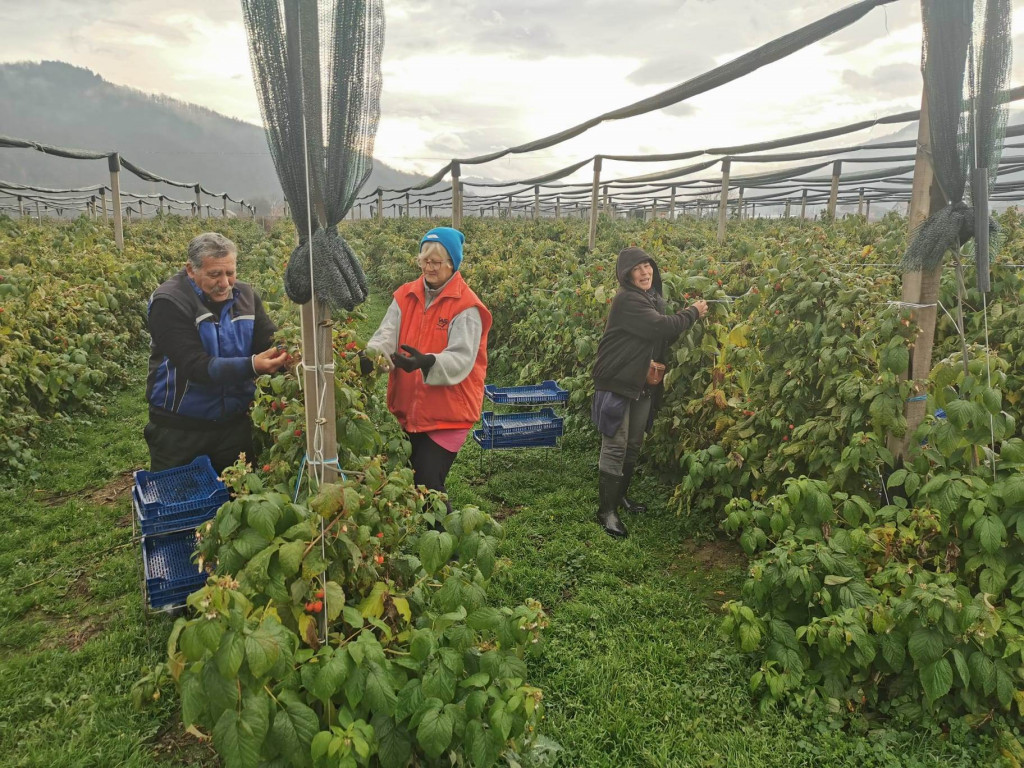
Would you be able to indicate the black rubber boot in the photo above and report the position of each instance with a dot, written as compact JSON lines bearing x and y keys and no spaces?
{"x":608,"y":492}
{"x":633,"y":507}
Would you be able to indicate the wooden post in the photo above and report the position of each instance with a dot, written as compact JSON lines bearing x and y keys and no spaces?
{"x":920,"y":287}
{"x":456,"y":195}
{"x":803,"y":205}
{"x":199,"y":200}
{"x":592,"y":239}
{"x":867,"y":210}
{"x":161,"y":205}
{"x":380,"y":203}
{"x":92,"y":207}
{"x":739,"y":205}
{"x":536,"y":202}
{"x":114,"y":166}
{"x":21,"y":208}
{"x":558,"y":206}
{"x":510,"y":206}
{"x":723,"y":203}
{"x":672,"y":204}
{"x":103,"y":203}
{"x":224,"y":207}
{"x":860,"y":202}
{"x":833,"y":195}
{"x":607,"y":202}
{"x":39,"y":217}
{"x":786,"y":214}
{"x":408,"y":210}
{"x":321,"y":434}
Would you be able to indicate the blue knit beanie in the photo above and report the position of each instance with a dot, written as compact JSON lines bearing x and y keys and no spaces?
{"x":451,"y":239}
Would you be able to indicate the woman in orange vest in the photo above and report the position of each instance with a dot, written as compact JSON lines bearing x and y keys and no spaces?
{"x":433,"y":340}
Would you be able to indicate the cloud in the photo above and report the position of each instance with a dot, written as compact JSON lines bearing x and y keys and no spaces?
{"x":887,"y":80}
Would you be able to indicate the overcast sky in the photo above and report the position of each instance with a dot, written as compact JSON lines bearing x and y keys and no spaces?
{"x":464,"y":77}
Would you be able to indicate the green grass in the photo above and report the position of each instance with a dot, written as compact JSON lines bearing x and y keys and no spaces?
{"x":633,"y":670}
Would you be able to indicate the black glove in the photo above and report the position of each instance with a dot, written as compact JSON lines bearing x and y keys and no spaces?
{"x":365,"y":364}
{"x":415,"y":361}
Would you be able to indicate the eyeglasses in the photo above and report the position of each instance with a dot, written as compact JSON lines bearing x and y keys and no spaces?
{"x":432,"y":265}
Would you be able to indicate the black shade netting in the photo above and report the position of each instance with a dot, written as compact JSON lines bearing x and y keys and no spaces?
{"x":316,"y":66}
{"x":965,"y":61}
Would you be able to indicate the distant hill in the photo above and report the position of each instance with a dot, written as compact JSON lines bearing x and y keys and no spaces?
{"x":56,"y":103}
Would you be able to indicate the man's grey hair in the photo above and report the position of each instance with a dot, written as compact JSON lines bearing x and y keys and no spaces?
{"x":209,"y":244}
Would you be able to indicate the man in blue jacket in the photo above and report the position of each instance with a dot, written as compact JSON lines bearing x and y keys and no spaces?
{"x":211,"y":337}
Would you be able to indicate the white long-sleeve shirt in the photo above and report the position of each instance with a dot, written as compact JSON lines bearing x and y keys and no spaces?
{"x":455,"y":361}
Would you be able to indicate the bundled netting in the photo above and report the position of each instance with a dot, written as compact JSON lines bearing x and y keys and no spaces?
{"x":966,"y":63}
{"x":316,"y":65}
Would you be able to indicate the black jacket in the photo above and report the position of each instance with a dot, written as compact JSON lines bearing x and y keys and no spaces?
{"x":638,"y":330}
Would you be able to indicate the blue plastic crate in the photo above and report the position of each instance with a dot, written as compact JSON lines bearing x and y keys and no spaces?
{"x":171,"y":499}
{"x":542,"y":422}
{"x":488,"y":440}
{"x":187,"y":520}
{"x":545,"y":392}
{"x":168,"y":568}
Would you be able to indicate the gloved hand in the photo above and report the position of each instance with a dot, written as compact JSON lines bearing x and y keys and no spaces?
{"x":365,"y":364}
{"x":415,"y":360}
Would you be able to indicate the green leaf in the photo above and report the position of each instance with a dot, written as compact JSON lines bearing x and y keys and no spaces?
{"x":230,"y":654}
{"x":373,"y":603}
{"x":833,"y":581}
{"x":435,"y":549}
{"x":239,"y":737}
{"x":485,"y":618}
{"x":331,"y":676}
{"x":961,"y":667}
{"x":439,"y":682}
{"x":989,"y":531}
{"x":394,"y":745}
{"x":937,"y":679}
{"x":193,"y":700}
{"x":959,"y":413}
{"x":475,"y":703}
{"x":926,"y":646}
{"x":482,"y":745}
{"x":485,"y":558}
{"x":262,"y":649}
{"x":334,"y":600}
{"x":501,"y":719}
{"x":290,"y":556}
{"x":294,"y":727}
{"x":434,"y":732}
{"x":983,"y":672}
{"x":379,"y":694}
{"x":262,"y":516}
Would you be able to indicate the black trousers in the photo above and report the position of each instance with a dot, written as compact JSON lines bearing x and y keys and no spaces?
{"x":430,"y":462}
{"x":170,"y":447}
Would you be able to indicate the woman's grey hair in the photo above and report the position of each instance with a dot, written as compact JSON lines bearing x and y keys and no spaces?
{"x":209,"y":244}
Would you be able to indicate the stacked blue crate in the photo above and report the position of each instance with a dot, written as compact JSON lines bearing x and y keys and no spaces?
{"x":169,"y":505}
{"x":533,"y":429}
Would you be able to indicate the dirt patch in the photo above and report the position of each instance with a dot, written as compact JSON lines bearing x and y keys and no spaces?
{"x":79,"y":637}
{"x":721,"y":554}
{"x":505,"y":510}
{"x":107,"y":496}
{"x":173,"y":741}
{"x":79,"y":587}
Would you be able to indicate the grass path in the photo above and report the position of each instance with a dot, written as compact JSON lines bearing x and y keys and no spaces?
{"x":633,"y":670}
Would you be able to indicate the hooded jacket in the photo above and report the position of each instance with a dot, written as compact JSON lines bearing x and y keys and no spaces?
{"x":637,"y":332}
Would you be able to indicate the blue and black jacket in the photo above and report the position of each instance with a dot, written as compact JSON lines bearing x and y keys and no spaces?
{"x":200,"y":363}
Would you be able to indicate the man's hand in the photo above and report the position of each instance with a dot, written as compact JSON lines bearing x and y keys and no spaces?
{"x":702,"y":307}
{"x":270,"y":361}
{"x":414,"y":361}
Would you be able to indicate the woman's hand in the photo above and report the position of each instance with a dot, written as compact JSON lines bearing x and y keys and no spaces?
{"x":701,"y":306}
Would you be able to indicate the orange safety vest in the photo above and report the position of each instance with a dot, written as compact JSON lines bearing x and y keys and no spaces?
{"x":418,"y":406}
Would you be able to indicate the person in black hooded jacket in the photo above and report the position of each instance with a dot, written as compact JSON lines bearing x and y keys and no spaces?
{"x":638,"y":332}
